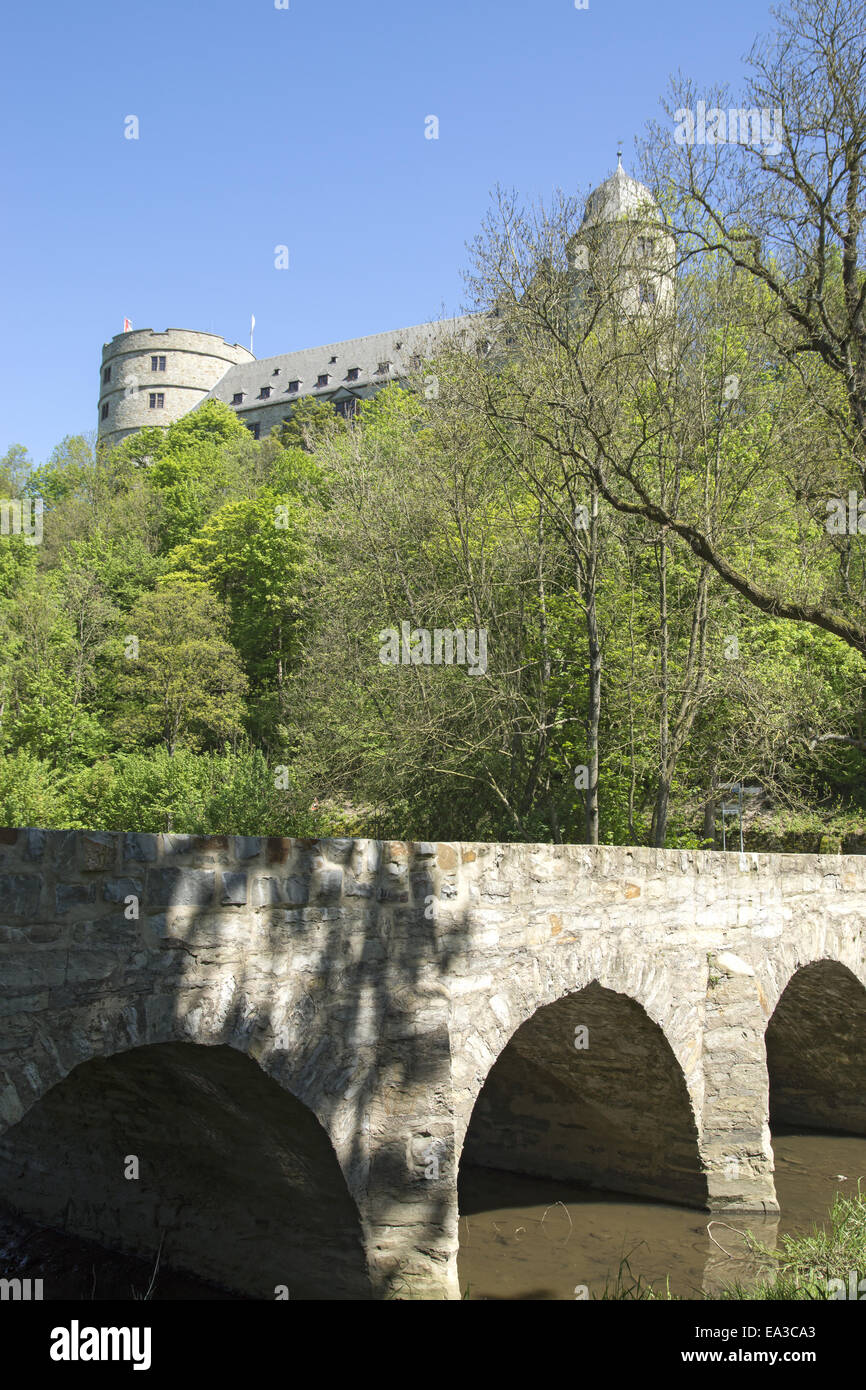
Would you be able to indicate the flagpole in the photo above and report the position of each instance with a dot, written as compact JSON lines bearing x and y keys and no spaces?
{"x":252,"y":326}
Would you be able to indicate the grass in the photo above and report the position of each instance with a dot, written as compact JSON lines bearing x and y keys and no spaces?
{"x":800,"y":1269}
{"x":803,"y":1266}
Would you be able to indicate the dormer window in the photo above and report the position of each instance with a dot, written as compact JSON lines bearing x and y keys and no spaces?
{"x":353,"y":373}
{"x":333,"y":360}
{"x":322,"y":379}
{"x":276,"y":371}
{"x":238,"y":398}
{"x":383,"y":369}
{"x":294,"y":386}
{"x":264,"y":393}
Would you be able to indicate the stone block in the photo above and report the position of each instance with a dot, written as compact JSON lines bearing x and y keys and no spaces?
{"x":180,"y":887}
{"x":174,"y":845}
{"x":34,"y":846}
{"x":234,"y":892}
{"x":97,"y":853}
{"x":140,"y":848}
{"x":246,"y":846}
{"x":20,"y":894}
{"x":116,"y":890}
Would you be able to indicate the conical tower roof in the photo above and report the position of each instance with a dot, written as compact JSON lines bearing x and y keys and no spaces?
{"x":619,"y":196}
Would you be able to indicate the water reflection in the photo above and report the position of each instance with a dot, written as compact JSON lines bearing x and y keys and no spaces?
{"x":530,"y":1238}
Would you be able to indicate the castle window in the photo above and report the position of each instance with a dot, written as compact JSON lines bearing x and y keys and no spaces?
{"x":383,"y":369}
{"x":645,"y":245}
{"x":353,"y":373}
{"x":415,"y":362}
{"x":156,"y":400}
{"x":646,"y":293}
{"x":106,"y":375}
{"x":276,"y":371}
{"x":294,"y":385}
{"x":333,"y":360}
{"x":323,"y":379}
{"x":104,"y":414}
{"x":238,"y":398}
{"x":255,"y":430}
{"x":264,"y":393}
{"x":157,"y":364}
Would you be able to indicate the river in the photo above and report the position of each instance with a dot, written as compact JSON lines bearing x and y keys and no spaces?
{"x":521,"y":1238}
{"x":529,"y":1238}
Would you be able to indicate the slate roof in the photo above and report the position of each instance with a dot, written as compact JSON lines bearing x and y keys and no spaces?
{"x":398,"y":347}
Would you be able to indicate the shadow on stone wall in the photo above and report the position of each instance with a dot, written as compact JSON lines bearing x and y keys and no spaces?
{"x":613,"y":1113}
{"x":816,"y":1050}
{"x":323,"y":961}
{"x":363,"y":1039}
{"x":235,"y":1177}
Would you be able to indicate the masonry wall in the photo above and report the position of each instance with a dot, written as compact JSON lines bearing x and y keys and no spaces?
{"x":379,"y":985}
{"x":195,"y":362}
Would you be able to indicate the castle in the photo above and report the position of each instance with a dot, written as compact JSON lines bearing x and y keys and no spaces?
{"x":150,"y":378}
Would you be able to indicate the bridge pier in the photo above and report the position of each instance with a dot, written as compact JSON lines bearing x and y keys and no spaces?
{"x":409,"y":1205}
{"x":410,"y":1222}
{"x":736,"y":1147}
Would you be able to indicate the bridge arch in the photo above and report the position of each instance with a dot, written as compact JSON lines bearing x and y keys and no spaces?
{"x":816,"y":1048}
{"x":587,"y":1087}
{"x":195,"y":1147}
{"x":172,"y":1004}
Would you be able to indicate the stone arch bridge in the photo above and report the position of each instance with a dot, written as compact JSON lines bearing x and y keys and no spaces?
{"x":367,"y":1014}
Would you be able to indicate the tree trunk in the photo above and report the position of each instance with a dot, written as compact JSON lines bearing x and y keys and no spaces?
{"x":662,"y":802}
{"x":594,"y":700}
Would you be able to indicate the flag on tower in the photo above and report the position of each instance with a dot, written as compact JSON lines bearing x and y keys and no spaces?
{"x":127,"y":326}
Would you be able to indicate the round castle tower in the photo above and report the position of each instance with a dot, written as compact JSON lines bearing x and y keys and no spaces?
{"x":624,"y":233}
{"x":149,"y":378}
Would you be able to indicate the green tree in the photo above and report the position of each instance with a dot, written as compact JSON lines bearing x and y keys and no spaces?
{"x":252,"y":554}
{"x":203,"y":460}
{"x":182,"y":682}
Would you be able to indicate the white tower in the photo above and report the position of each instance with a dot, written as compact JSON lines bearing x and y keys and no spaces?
{"x":623,"y":244}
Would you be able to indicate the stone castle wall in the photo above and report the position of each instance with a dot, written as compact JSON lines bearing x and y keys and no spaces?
{"x":195,"y":362}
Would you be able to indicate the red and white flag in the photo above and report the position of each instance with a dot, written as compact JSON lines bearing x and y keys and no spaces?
{"x":127,"y":326}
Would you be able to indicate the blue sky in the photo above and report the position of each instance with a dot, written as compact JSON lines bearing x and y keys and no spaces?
{"x":301,"y":127}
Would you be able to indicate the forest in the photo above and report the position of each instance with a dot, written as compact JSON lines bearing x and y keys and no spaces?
{"x":656,"y":516}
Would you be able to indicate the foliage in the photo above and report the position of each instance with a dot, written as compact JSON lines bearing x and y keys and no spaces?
{"x":646,"y":552}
